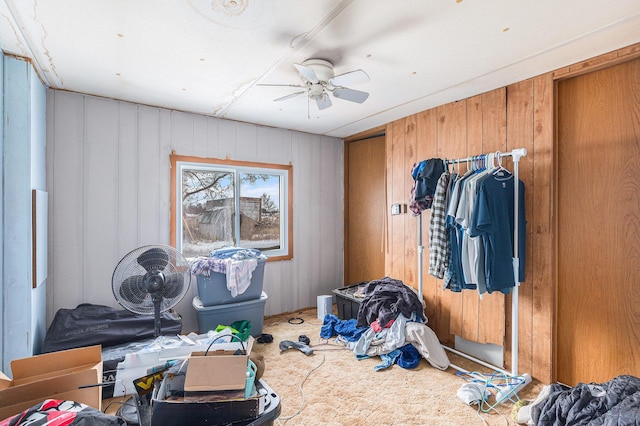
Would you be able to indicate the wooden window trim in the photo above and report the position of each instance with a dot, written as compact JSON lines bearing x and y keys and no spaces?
{"x":175,"y":158}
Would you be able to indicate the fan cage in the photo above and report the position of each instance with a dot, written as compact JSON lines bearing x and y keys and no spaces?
{"x":164,"y":259}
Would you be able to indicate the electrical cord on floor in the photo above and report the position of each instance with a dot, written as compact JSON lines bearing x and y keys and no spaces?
{"x":287,"y":418}
{"x":484,"y":422}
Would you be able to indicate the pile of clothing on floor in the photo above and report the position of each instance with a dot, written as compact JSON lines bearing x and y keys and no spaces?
{"x":616,"y":402}
{"x":391,"y":324}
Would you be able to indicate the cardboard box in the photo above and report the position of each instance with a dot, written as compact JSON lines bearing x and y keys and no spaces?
{"x":218,"y":369}
{"x":58,"y":375}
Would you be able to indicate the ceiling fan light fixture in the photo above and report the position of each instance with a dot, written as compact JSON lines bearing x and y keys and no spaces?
{"x":316,"y":91}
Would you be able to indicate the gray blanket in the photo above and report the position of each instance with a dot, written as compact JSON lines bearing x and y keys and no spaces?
{"x":616,"y":402}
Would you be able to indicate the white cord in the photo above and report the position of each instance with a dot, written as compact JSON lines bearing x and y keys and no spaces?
{"x":484,"y":422}
{"x":301,"y":392}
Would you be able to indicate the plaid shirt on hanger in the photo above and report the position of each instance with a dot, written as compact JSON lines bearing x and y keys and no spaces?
{"x":439,"y":248}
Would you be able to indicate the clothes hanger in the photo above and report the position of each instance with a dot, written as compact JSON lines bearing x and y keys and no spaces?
{"x":470,"y":169}
{"x":500,"y":170}
{"x":490,"y":160}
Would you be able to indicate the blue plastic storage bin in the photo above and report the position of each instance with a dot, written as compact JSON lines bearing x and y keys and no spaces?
{"x":210,"y":317}
{"x":212,"y":290}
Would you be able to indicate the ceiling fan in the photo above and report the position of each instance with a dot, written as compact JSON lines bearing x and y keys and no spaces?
{"x":319,"y":80}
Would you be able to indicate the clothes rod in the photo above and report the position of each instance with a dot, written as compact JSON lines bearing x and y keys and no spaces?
{"x":516,"y":154}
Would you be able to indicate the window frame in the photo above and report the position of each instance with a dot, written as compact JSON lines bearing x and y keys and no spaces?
{"x":175,"y":159}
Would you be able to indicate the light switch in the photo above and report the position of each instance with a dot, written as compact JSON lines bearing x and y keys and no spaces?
{"x":395,"y":209}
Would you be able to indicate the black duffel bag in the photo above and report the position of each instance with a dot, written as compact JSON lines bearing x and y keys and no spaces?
{"x":89,"y":324}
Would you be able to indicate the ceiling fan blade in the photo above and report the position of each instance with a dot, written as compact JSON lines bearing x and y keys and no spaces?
{"x":289,"y":96}
{"x":350,"y":95}
{"x":306,"y":73}
{"x":323,"y":101}
{"x":349,"y":78}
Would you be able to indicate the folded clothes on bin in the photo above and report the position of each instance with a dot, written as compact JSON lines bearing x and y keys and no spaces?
{"x":204,"y":266}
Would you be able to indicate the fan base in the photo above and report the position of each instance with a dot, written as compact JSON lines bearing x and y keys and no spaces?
{"x":322,"y":69}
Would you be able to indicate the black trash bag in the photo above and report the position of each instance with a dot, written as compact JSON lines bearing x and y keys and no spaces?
{"x":89,"y":324}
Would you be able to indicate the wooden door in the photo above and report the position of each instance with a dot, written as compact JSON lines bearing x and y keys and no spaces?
{"x":598,"y":328}
{"x":365,"y":210}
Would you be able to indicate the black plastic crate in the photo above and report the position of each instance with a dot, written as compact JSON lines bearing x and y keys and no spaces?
{"x":348,"y":300}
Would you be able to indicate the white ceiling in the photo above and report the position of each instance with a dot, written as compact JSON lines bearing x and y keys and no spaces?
{"x":208,"y":56}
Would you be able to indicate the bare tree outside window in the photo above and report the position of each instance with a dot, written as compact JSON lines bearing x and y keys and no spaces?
{"x":211,"y":195}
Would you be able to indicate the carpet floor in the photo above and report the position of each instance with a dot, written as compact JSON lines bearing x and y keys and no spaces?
{"x":332,"y":387}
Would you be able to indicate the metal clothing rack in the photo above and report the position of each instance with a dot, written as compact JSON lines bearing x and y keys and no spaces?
{"x":516,"y":154}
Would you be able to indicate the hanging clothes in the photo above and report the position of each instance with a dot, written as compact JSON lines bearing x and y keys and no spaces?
{"x":478,"y":229}
{"x":425,"y":176}
{"x":493,"y":220}
{"x":454,"y":277}
{"x":452,"y":274}
{"x":472,"y":249}
{"x":439,"y":249}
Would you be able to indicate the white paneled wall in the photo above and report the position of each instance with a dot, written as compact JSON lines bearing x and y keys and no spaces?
{"x":108,"y":182}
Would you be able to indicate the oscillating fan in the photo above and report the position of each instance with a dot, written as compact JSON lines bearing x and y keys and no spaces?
{"x":150,"y":280}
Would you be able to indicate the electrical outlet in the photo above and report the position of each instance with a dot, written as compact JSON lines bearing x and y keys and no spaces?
{"x":395,"y":209}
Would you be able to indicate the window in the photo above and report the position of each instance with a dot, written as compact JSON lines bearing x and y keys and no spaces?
{"x":207,"y":194}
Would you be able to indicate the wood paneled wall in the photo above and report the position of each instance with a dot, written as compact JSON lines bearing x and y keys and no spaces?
{"x":520,"y":115}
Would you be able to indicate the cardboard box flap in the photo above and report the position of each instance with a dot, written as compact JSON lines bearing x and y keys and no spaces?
{"x":53,"y":364}
{"x":48,"y":387}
